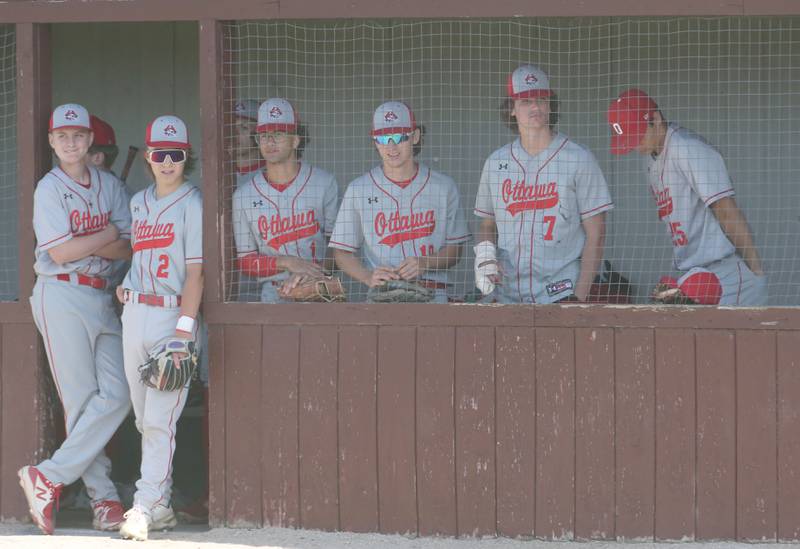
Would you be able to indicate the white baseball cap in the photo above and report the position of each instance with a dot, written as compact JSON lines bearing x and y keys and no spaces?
{"x":70,"y":115}
{"x":167,"y":131}
{"x":393,"y":117}
{"x":277,"y":115}
{"x":246,"y":108}
{"x":528,"y":81}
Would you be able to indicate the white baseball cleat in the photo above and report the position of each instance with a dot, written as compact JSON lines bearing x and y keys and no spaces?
{"x":135,"y":525}
{"x":42,"y":496}
{"x":162,"y":518}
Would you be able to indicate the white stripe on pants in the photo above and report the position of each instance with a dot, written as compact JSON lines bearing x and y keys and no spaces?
{"x":157,"y":412}
{"x":81,"y":334}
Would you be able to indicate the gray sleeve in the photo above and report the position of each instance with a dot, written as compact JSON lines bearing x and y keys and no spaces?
{"x":347,"y":230}
{"x":50,"y":218}
{"x":193,"y":239}
{"x":705,"y":170}
{"x":242,"y":236}
{"x":331,"y":201}
{"x":484,"y":204}
{"x":591,"y":188}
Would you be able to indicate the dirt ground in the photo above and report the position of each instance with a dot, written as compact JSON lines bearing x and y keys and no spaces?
{"x":186,"y":537}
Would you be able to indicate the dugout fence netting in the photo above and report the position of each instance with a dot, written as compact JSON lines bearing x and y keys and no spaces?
{"x":9,"y":268}
{"x":733,"y":80}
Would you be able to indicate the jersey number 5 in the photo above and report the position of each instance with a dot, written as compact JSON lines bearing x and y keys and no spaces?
{"x":163,"y":265}
{"x":678,"y":236}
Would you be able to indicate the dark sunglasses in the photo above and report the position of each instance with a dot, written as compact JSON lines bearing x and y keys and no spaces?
{"x":159,"y":156}
{"x":395,"y":138}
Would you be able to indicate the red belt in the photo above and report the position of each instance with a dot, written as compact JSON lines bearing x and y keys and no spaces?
{"x":432,"y":284}
{"x":84,"y":280}
{"x":154,"y":300}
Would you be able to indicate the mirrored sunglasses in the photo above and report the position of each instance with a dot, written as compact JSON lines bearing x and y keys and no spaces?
{"x":159,"y":156}
{"x":395,"y":138}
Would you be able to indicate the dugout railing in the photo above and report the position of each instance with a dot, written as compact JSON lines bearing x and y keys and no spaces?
{"x":578,"y":422}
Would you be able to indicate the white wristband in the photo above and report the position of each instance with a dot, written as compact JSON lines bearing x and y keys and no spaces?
{"x":485,"y":251}
{"x":185,"y":324}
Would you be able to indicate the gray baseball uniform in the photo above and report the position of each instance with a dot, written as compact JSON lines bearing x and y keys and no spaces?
{"x":249,"y":288}
{"x":539,"y":203}
{"x":392,"y":222}
{"x":686,"y":179}
{"x":167,"y":236}
{"x":293,"y":220}
{"x":80,"y":330}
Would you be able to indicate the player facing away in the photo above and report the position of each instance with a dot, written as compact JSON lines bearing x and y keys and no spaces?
{"x":82,"y":224}
{"x":542,"y":201}
{"x":284,"y":215}
{"x":695,"y":200}
{"x":162,"y":295}
{"x":404,"y":216}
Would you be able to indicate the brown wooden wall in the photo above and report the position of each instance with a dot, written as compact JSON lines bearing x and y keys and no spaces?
{"x":574,"y":424}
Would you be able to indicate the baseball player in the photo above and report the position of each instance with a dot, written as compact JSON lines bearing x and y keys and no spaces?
{"x":403,"y":215}
{"x":283,"y":216}
{"x":162,"y":295}
{"x":245,"y":143}
{"x":695,"y":200}
{"x":82,"y":225}
{"x":543,"y":202}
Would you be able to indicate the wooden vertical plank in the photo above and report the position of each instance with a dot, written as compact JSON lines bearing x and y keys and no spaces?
{"x":358,"y":444}
{"x":34,"y":157}
{"x":716,"y":435}
{"x":436,"y":461}
{"x":397,"y":472}
{"x":555,"y":433}
{"x":21,"y":398}
{"x":279,"y":414}
{"x":675,"y":435}
{"x":515,"y":375}
{"x":594,"y":434}
{"x":475,"y":432}
{"x":319,"y":469}
{"x":217,"y":428}
{"x":788,"y":384}
{"x":756,"y":436}
{"x":635,"y":426}
{"x":243,"y":425}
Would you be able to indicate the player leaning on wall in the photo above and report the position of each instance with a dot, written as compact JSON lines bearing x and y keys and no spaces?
{"x":712,"y":244}
{"x":543,"y":202}
{"x":82,"y":224}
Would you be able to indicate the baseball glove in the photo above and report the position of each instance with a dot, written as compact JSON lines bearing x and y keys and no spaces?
{"x":326,"y":289}
{"x":160,"y":372}
{"x":399,"y":291}
{"x":670,"y":295}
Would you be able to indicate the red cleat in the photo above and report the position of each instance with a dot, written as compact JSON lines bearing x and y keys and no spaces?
{"x":42,"y":496}
{"x":107,"y":515}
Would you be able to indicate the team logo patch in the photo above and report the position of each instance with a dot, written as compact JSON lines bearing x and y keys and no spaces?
{"x":555,"y":288}
{"x":170,"y":130}
{"x":531,"y":79}
{"x":71,"y":115}
{"x":275,"y":112}
{"x":390,"y":116}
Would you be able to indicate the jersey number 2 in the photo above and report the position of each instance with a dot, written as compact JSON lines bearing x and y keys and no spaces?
{"x":163,"y":265}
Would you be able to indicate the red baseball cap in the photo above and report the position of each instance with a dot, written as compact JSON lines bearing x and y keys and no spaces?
{"x":700,"y":285}
{"x":628,"y":116}
{"x":103,"y":132}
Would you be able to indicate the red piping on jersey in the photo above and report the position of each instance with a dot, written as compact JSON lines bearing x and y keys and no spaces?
{"x":587,"y":212}
{"x":739,"y":288}
{"x":521,"y":225}
{"x":406,"y":182}
{"x":55,"y":239}
{"x":396,"y":205}
{"x":485,"y":213}
{"x":411,"y":207}
{"x":343,"y":244}
{"x":158,"y":217}
{"x":280,"y":187}
{"x":711,"y":198}
{"x":268,"y":199}
{"x":89,"y":186}
{"x":296,"y":196}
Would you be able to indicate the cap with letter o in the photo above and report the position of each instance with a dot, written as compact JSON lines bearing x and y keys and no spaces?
{"x":277,"y":115}
{"x":70,"y":115}
{"x":393,"y":117}
{"x":167,"y":131}
{"x":247,"y":109}
{"x":103,"y":132}
{"x":528,"y":81}
{"x":628,"y":115}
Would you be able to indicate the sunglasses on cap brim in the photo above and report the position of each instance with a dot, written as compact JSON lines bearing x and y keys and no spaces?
{"x":159,"y":156}
{"x":394,"y":138}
